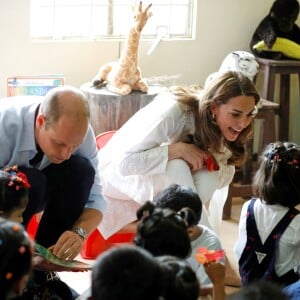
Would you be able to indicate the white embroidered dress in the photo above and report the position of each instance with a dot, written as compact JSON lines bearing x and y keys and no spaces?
{"x":134,"y":164}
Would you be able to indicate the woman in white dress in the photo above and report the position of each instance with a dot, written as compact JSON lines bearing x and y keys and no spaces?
{"x":168,"y":141}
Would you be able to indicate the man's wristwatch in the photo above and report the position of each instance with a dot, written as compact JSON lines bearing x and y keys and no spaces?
{"x":80,"y":231}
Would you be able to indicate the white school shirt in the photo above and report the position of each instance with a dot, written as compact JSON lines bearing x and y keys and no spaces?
{"x":266,"y":218}
{"x":207,"y":239}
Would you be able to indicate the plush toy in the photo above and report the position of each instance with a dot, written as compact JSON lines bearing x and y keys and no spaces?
{"x":124,"y":76}
{"x":240,"y":61}
{"x":287,"y":47}
{"x":279,"y":23}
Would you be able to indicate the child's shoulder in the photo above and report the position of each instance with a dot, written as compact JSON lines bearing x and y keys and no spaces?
{"x":255,"y":201}
{"x":296,"y":222}
{"x":207,"y":231}
{"x":208,"y":239}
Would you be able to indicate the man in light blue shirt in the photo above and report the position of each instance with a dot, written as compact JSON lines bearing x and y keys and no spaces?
{"x":51,"y":140}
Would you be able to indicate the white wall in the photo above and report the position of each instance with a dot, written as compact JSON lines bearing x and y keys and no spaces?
{"x":222,"y":26}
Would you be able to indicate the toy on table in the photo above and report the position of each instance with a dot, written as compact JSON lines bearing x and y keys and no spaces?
{"x":124,"y":75}
{"x":289,"y":48}
{"x":238,"y":61}
{"x":279,"y":23}
{"x":205,"y":256}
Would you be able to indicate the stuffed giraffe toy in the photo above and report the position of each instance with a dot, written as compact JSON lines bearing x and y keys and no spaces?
{"x":124,"y":75}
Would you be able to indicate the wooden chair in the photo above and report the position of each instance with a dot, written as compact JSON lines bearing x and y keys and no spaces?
{"x":284,"y":68}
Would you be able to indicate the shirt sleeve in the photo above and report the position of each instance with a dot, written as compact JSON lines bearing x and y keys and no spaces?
{"x":226,"y":172}
{"x":89,"y":150}
{"x":143,"y":141}
{"x":242,"y":236}
{"x":147,"y":162}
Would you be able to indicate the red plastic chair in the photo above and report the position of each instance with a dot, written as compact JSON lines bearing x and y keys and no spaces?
{"x":103,"y":138}
{"x":95,"y":243}
{"x":32,"y":226}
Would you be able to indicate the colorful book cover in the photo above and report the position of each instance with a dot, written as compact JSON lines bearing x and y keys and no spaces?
{"x":44,"y":260}
{"x":33,"y":85}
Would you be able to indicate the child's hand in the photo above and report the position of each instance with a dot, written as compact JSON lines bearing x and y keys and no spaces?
{"x":215,"y":271}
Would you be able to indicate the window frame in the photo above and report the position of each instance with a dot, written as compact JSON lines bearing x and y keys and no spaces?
{"x":150,"y":31}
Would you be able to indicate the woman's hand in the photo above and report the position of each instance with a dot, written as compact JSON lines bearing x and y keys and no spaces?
{"x":190,"y":153}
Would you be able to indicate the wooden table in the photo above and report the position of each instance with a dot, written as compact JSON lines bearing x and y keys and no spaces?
{"x":109,"y":111}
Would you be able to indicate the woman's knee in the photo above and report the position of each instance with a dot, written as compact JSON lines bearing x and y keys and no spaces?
{"x":178,"y":171}
{"x":206,"y":183}
{"x":178,"y":164}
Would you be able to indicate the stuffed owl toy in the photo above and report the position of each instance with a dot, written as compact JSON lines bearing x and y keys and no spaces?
{"x":239,"y":61}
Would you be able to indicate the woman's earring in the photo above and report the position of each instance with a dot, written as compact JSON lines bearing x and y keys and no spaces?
{"x":213,"y":116}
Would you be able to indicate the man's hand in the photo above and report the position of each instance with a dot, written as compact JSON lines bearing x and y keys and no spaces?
{"x":68,"y":245}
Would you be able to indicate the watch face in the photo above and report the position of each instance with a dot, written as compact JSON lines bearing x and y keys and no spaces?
{"x":81,"y":232}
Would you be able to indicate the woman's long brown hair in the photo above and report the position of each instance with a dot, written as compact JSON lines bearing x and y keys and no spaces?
{"x":220,"y":90}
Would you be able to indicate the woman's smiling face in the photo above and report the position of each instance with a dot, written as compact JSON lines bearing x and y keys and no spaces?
{"x":234,"y":116}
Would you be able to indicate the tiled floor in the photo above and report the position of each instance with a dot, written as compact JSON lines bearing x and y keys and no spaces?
{"x":80,"y":281}
{"x":229,"y":234}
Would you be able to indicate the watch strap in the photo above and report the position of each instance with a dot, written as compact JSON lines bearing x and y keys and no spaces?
{"x":80,"y":231}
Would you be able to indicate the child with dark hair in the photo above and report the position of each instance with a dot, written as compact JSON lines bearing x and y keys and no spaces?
{"x":177,"y":197}
{"x":15,"y":259}
{"x":261,"y":289}
{"x":13,"y":193}
{"x":269,"y":241}
{"x":127,"y":273}
{"x":164,"y":231}
{"x":180,"y":281}
{"x":14,"y":187}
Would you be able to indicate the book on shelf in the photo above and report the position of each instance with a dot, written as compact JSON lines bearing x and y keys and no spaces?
{"x":37,"y":85}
